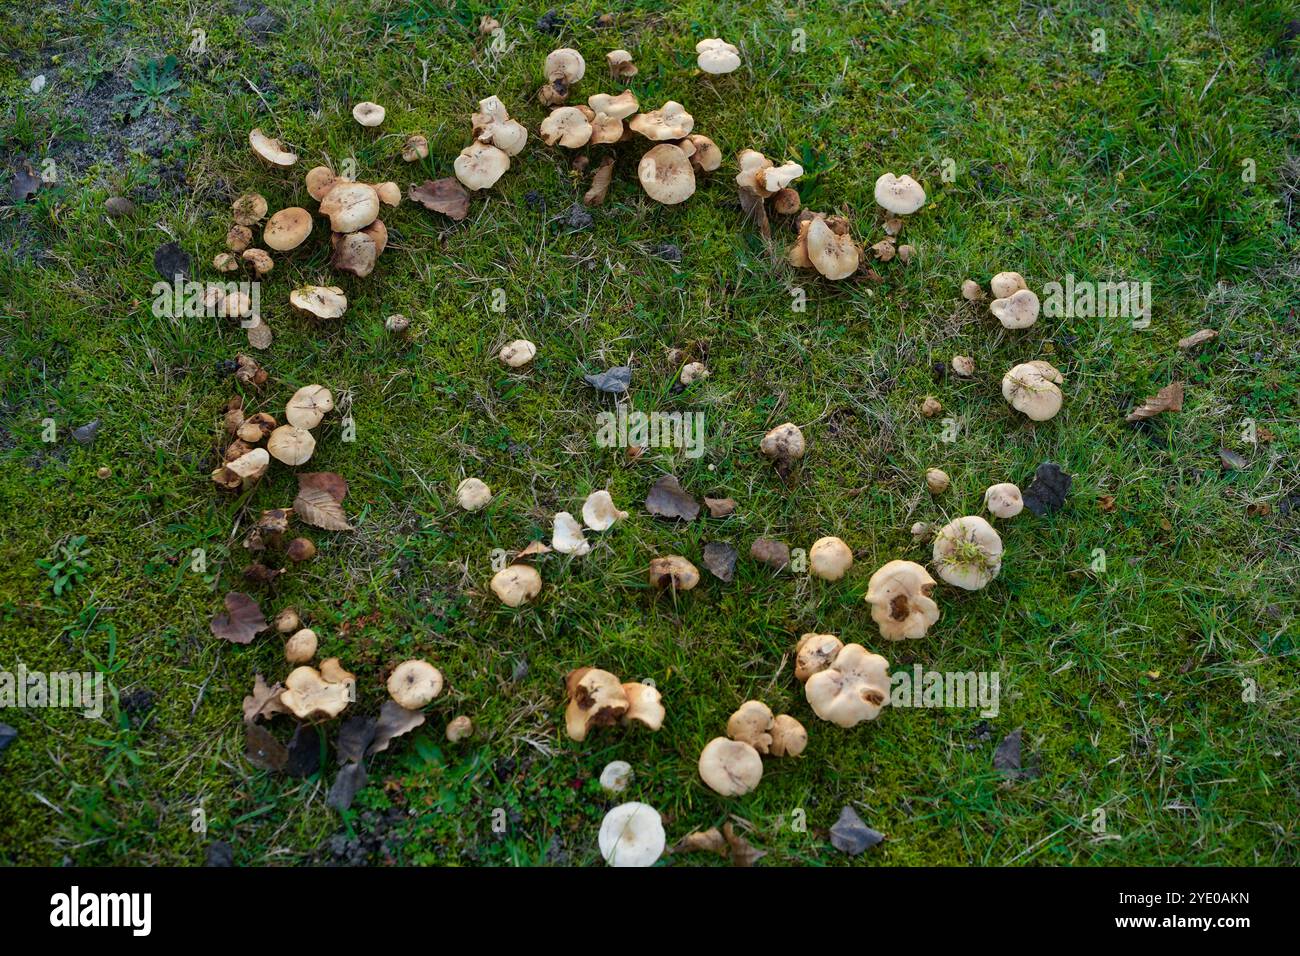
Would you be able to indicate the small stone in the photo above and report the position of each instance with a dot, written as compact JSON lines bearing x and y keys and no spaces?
{"x":85,"y":434}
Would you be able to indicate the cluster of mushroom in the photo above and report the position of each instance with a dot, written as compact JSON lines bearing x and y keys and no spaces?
{"x":496,"y":138}
{"x":844,"y":683}
{"x":247,"y":211}
{"x":244,"y":461}
{"x":900,"y":196}
{"x":599,"y":699}
{"x":357,"y":235}
{"x":733,"y":765}
{"x":1014,"y":304}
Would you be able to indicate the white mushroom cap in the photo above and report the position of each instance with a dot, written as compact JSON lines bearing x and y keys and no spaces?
{"x":778,"y":177}
{"x":830,"y":558}
{"x":730,"y":767}
{"x":492,"y":124}
{"x":249,"y":209}
{"x":1006,"y":284}
{"x":480,"y":165}
{"x":291,"y":445}
{"x":632,"y":834}
{"x":666,"y":174}
{"x":567,"y":536}
{"x":323,"y":302}
{"x":814,"y":653}
{"x":784,"y":441}
{"x":753,"y":165}
{"x":616,"y":776}
{"x":852,"y":689}
{"x":518,"y":353}
{"x":459,"y":728}
{"x":833,"y":255}
{"x":789,"y":738}
{"x":369,"y":114}
{"x":644,"y":705}
{"x":670,"y":121}
{"x":472,"y":494}
{"x":901,"y":195}
{"x":968,"y":552}
{"x":568,"y":126}
{"x":1018,"y":311}
{"x":620,"y":63}
{"x":693,"y":372}
{"x":717,"y":56}
{"x":271,"y":150}
{"x":1004,"y":500}
{"x":901,"y":605}
{"x":565,"y":64}
{"x":752,"y":724}
{"x":308,"y":406}
{"x":618,"y":107}
{"x":414,"y":683}
{"x":599,"y":511}
{"x":1034,"y":389}
{"x":301,"y":647}
{"x":287,"y":229}
{"x":516,"y":584}
{"x":350,"y":206}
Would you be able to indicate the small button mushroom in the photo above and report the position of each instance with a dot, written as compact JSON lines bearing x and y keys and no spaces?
{"x":596,"y":699}
{"x":644,"y":705}
{"x":518,"y":353}
{"x":260,"y":260}
{"x":829,"y":558}
{"x":350,"y":206}
{"x":666,"y":174}
{"x":670,"y":121}
{"x":730,"y":767}
{"x":922,"y":531}
{"x":397,"y":324}
{"x":968,"y":553}
{"x":752,"y":724}
{"x":814,"y":653}
{"x":319,"y":301}
{"x":1004,"y":500}
{"x":291,"y":445}
{"x":308,"y":406}
{"x":225,"y":262}
{"x":616,"y":776}
{"x":906,"y":253}
{"x":492,"y":124}
{"x":415,"y":148}
{"x":516,"y":584}
{"x":707,"y":156}
{"x":673,"y":571}
{"x":320,"y":180}
{"x":784,"y":442}
{"x":480,"y":165}
{"x":1033,"y":388}
{"x":963,"y":366}
{"x":936,"y":479}
{"x":300,"y":550}
{"x":414,"y":683}
{"x":599,"y":511}
{"x":472,"y":494}
{"x":789,"y":738}
{"x":971,"y":291}
{"x":901,"y":195}
{"x":459,"y":728}
{"x":287,"y":621}
{"x":1006,"y":284}
{"x":931,"y":406}
{"x":238,"y":238}
{"x":270,"y":150}
{"x":567,"y":536}
{"x":287,"y":229}
{"x":852,"y":689}
{"x":693,"y":372}
{"x":901,"y":605}
{"x":301,"y":647}
{"x":884,"y":250}
{"x":103,"y":471}
{"x":249,"y":209}
{"x":717,"y":56}
{"x":632,"y":834}
{"x":369,"y":114}
{"x":787,"y":202}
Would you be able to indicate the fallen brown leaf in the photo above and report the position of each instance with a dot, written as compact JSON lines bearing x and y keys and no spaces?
{"x":394,"y":721}
{"x":600,"y":181}
{"x":264,"y":701}
{"x":316,"y":503}
{"x":242,"y":621}
{"x":1168,"y":399}
{"x":710,"y":840}
{"x":720,"y":507}
{"x":667,"y":499}
{"x":1197,"y":338}
{"x":742,"y":853}
{"x":446,"y":196}
{"x":262,"y":750}
{"x":327,"y":481}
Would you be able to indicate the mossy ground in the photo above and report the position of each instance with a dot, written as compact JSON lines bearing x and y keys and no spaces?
{"x":1125,"y":164}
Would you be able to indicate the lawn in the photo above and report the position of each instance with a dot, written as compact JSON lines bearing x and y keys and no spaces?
{"x":1154,"y":689}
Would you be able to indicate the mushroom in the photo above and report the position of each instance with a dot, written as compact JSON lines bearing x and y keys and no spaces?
{"x":968,"y":553}
{"x":752,"y":724}
{"x":415,"y":148}
{"x":937,"y":480}
{"x":516,"y":584}
{"x":1004,"y":500}
{"x":971,"y":291}
{"x":472,"y":494}
{"x":1006,"y":284}
{"x":618,"y":107}
{"x":783,"y":443}
{"x":632,"y":834}
{"x":620,"y":64}
{"x":644,"y":705}
{"x":397,"y":324}
{"x":301,"y":647}
{"x":707,"y":157}
{"x":931,"y":406}
{"x":834,"y":256}
{"x":300,"y":550}
{"x":320,"y":180}
{"x":270,"y":150}
{"x":596,"y":699}
{"x":730,"y":767}
{"x":670,"y":121}
{"x":308,"y":406}
{"x":693,"y":372}
{"x":389,"y":193}
{"x":459,"y":728}
{"x":256,"y":427}
{"x":354,"y":252}
{"x":563,"y":68}
{"x":1017,"y":311}
{"x":225,"y":262}
{"x":673,"y":571}
{"x":1034,"y":389}
{"x":852,"y":689}
{"x":310,"y":693}
{"x":787,"y":202}
{"x":616,"y":776}
{"x":901,"y":195}
{"x":814,"y":653}
{"x":778,"y":178}
{"x":901,"y":605}
{"x":492,"y":124}
{"x":829,"y":559}
{"x":322,"y":302}
{"x":567,"y":537}
{"x":717,"y":56}
{"x":287,"y":621}
{"x":291,"y":445}
{"x":568,"y":126}
{"x":605,"y":129}
{"x":377,"y":232}
{"x":666,"y":175}
{"x":963,"y":366}
{"x":789,"y":738}
{"x":350,"y":206}
{"x":369,"y":114}
{"x":249,"y":209}
{"x":480,"y":165}
{"x":753,"y":165}
{"x":249,"y":467}
{"x":238,"y":238}
{"x":518,"y":353}
{"x":599,"y":511}
{"x":414,"y":683}
{"x":260,"y":260}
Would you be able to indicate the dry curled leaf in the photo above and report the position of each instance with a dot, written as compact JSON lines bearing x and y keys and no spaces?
{"x":667,"y":499}
{"x":264,"y":701}
{"x":241,"y":622}
{"x":600,"y":181}
{"x":709,"y":841}
{"x":317,"y":504}
{"x":720,"y":558}
{"x":394,"y":721}
{"x":1168,"y":399}
{"x":262,"y":750}
{"x":720,"y":507}
{"x":446,"y":196}
{"x":1197,"y":338}
{"x":740,"y":850}
{"x":330,"y":482}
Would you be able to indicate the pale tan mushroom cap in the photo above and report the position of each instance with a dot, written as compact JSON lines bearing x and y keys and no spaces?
{"x":287,"y":229}
{"x":480,"y":165}
{"x":784,"y":441}
{"x":673,"y":571}
{"x":414,"y":149}
{"x":901,"y":195}
{"x":644,"y":705}
{"x":566,"y":125}
{"x":967,"y":552}
{"x":666,"y":174}
{"x":752,"y":724}
{"x":789,"y":738}
{"x":753,"y":165}
{"x":618,"y":107}
{"x":350,"y":206}
{"x":567,"y":536}
{"x":599,"y":511}
{"x":814,"y":653}
{"x":291,"y":445}
{"x":901,"y":605}
{"x":717,"y":56}
{"x":707,"y":156}
{"x":250,"y":465}
{"x":414,"y":683}
{"x":596,"y":699}
{"x":324,"y":302}
{"x":516,"y":584}
{"x":670,"y":121}
{"x":518,"y":353}
{"x":632,"y":834}
{"x":310,"y":693}
{"x":1004,"y":500}
{"x":565,"y":64}
{"x":1034,"y":389}
{"x":779,"y":177}
{"x":369,"y":114}
{"x":730,"y":767}
{"x":320,"y":180}
{"x":472,"y":494}
{"x":459,"y":728}
{"x":830,"y":558}
{"x":249,"y":209}
{"x":308,"y":406}
{"x":1017,"y":311}
{"x":854,"y":688}
{"x":834,"y":256}
{"x":1006,"y":284}
{"x":301,"y":647}
{"x":271,"y":150}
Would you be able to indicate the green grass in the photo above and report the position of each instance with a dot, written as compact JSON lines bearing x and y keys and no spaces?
{"x":1122,"y":164}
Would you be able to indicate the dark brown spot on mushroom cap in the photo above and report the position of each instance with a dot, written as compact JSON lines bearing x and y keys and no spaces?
{"x":873,"y":696}
{"x":899,"y":608}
